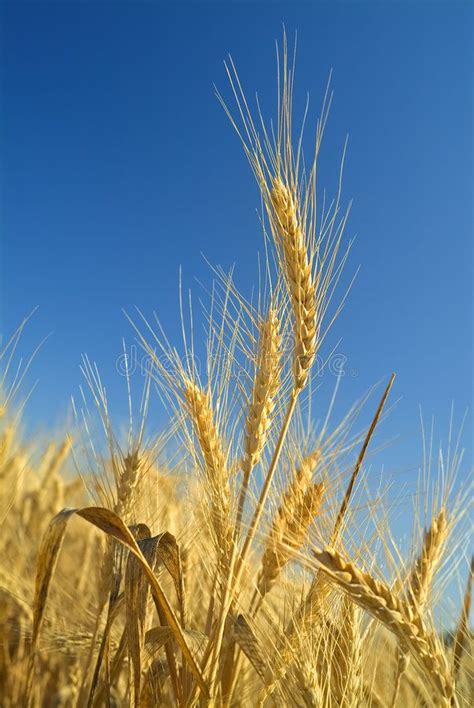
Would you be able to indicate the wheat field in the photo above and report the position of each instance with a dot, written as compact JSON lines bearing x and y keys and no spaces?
{"x":240,"y":556}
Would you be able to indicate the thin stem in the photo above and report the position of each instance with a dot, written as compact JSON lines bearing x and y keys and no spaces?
{"x":360,"y":459}
{"x":242,"y":495}
{"x":226,"y":603}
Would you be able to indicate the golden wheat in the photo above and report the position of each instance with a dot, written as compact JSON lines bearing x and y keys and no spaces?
{"x":175,"y":607}
{"x":299,"y":277}
{"x":265,"y":388}
{"x":299,"y":505}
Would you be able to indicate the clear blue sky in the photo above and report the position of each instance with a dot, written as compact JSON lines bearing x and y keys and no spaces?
{"x":118,"y":166}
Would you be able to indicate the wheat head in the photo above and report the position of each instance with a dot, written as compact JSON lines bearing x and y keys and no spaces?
{"x":298,"y":507}
{"x":299,"y":277}
{"x":398,"y":616}
{"x":428,"y":560}
{"x":265,"y":388}
{"x":200,"y":409}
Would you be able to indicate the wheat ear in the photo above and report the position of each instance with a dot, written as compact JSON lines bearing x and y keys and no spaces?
{"x":200,"y":409}
{"x":265,"y":388}
{"x":299,"y":277}
{"x":127,"y":485}
{"x":298,"y":507}
{"x":422,"y":574}
{"x":420,"y":581}
{"x":346,"y":659}
{"x":398,"y":616}
{"x":126,"y":489}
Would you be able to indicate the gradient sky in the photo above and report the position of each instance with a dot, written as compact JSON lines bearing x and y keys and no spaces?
{"x":118,"y":166}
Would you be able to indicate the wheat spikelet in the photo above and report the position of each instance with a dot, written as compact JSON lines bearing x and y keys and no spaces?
{"x":398,"y":616}
{"x":298,"y":507}
{"x":265,"y":388}
{"x":299,"y":277}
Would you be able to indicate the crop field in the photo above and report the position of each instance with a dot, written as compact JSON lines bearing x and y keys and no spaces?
{"x":238,"y":556}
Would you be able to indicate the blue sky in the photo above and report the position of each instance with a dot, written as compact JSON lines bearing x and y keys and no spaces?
{"x":118,"y":166}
